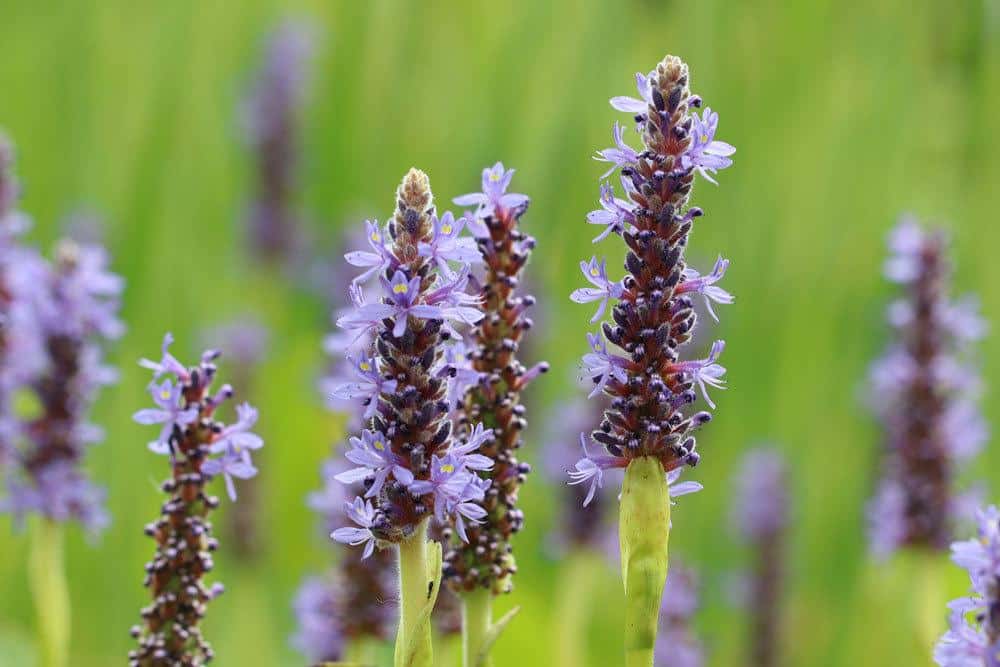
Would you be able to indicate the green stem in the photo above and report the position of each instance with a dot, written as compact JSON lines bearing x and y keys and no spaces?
{"x":477,"y":618}
{"x":572,"y":609}
{"x":413,"y":594}
{"x":644,"y":532}
{"x":47,"y":578}
{"x":361,"y":651}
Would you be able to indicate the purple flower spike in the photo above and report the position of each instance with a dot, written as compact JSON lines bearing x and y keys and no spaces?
{"x":925,"y":389}
{"x":55,"y":319}
{"x":706,"y":155}
{"x":200,"y":448}
{"x":973,"y":639}
{"x":494,"y":199}
{"x":404,"y":376}
{"x":603,"y":290}
{"x":676,"y":643}
{"x":639,"y":359}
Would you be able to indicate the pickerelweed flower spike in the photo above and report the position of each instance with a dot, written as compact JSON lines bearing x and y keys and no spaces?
{"x":270,"y":121}
{"x":199,"y":447}
{"x":485,"y":560}
{"x":973,"y":639}
{"x":760,"y":517}
{"x":925,"y":389}
{"x":407,"y":461}
{"x":646,"y":429}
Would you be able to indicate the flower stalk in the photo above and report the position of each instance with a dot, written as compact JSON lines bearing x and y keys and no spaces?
{"x":644,"y":534}
{"x":418,"y":583}
{"x":47,"y":578}
{"x":477,"y":619}
{"x":646,"y":429}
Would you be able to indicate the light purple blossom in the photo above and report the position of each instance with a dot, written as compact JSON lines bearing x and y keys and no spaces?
{"x":447,"y":246}
{"x":705,"y":154}
{"x":364,"y":317}
{"x":614,"y":214}
{"x":760,"y":510}
{"x":232,"y":463}
{"x":622,"y":155}
{"x":371,"y":452}
{"x":676,"y":643}
{"x":369,"y":384}
{"x":316,"y":609}
{"x":494,"y":196}
{"x":465,"y":376}
{"x":456,"y":491}
{"x":603,"y":290}
{"x":168,"y":363}
{"x":362,"y":513}
{"x":633,"y":105}
{"x":405,"y":296}
{"x":706,"y":372}
{"x":602,"y":366}
{"x":380,"y":257}
{"x":590,"y":470}
{"x":706,"y":285}
{"x":171,"y":412}
{"x":237,"y":436}
{"x":457,"y":304}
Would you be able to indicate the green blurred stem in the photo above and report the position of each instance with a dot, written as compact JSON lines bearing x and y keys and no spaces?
{"x":572,"y":610}
{"x":644,"y":532}
{"x":361,"y":651}
{"x":413,"y":593}
{"x":47,"y":578}
{"x":477,"y":618}
{"x":931,"y":598}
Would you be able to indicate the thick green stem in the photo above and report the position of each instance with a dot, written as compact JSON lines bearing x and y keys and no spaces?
{"x":361,"y":651}
{"x":644,"y":531}
{"x":477,"y":619}
{"x":414,"y":591}
{"x":47,"y":577}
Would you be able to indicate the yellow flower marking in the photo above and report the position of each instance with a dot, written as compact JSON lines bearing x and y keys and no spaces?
{"x":495,"y":177}
{"x":400,"y":288}
{"x":376,"y":237}
{"x":164,"y":394}
{"x":365,"y":366}
{"x":379,"y":445}
{"x":595,"y":272}
{"x":447,"y":467}
{"x":446,"y":228}
{"x":704,"y":138}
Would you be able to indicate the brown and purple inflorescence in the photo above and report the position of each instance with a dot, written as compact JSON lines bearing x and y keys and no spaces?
{"x":270,"y":118}
{"x":925,"y":389}
{"x":653,"y":317}
{"x":199,"y":447}
{"x":408,"y":458}
{"x":486,"y":559}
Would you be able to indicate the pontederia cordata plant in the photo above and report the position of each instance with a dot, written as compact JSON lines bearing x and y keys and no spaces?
{"x":925,"y":389}
{"x":408,"y":458}
{"x":646,"y":430}
{"x":55,"y":320}
{"x":198,"y":448}
{"x":481,"y":562}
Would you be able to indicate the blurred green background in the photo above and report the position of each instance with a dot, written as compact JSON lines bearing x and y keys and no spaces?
{"x":843,"y":114}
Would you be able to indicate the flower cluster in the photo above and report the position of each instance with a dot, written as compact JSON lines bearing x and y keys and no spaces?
{"x":199,"y":447}
{"x":760,"y":515}
{"x":925,"y":390}
{"x":269,"y":116}
{"x":353,"y":602}
{"x":493,"y":396}
{"x":406,"y":456}
{"x":653,"y":313}
{"x":973,"y":639}
{"x":676,"y":643}
{"x":56,"y":318}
